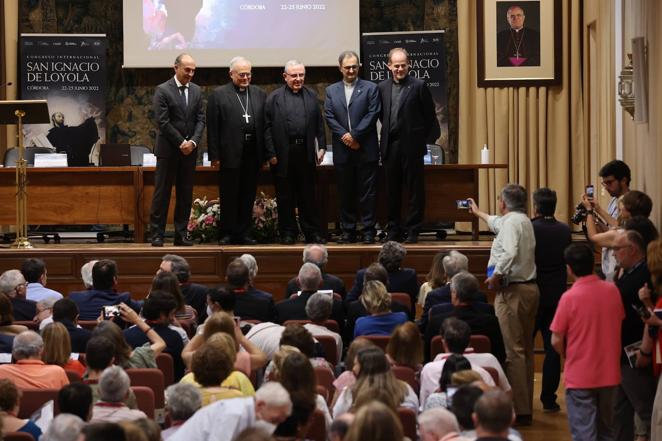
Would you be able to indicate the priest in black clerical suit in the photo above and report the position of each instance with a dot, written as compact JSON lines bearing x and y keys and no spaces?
{"x":517,"y":45}
{"x":235,"y":137}
{"x":295,"y":143}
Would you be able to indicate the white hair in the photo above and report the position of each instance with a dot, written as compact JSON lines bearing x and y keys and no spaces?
{"x":251,"y":264}
{"x":86,"y":273}
{"x":308,"y":251}
{"x":27,"y":344}
{"x":114,"y":384}
{"x":310,"y":276}
{"x":292,"y":63}
{"x":237,"y":60}
{"x":273,"y":394}
{"x":183,"y":400}
{"x":64,"y":427}
{"x":438,"y":421}
{"x":10,"y":280}
{"x":454,"y":262}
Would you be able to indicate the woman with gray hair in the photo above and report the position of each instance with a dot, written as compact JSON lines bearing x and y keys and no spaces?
{"x":64,"y":427}
{"x":182,"y":401}
{"x":114,"y":387}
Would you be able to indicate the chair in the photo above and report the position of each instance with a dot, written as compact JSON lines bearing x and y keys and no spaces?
{"x":189,"y":326}
{"x":88,"y":324}
{"x":11,"y":155}
{"x":166,"y":364}
{"x":151,"y":378}
{"x":33,"y":399}
{"x":480,"y":344}
{"x":331,"y":325}
{"x":137,"y":152}
{"x":145,"y":400}
{"x":403,"y":298}
{"x":18,"y":436}
{"x":379,"y":340}
{"x":317,"y":426}
{"x":325,"y":378}
{"x":33,"y":326}
{"x":493,"y":373}
{"x":73,"y":376}
{"x":406,"y":374}
{"x":436,"y":346}
{"x":408,"y":419}
{"x":445,"y":308}
{"x":330,"y":348}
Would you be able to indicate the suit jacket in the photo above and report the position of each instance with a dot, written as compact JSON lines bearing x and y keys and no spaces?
{"x":403,"y":280}
{"x":329,"y":281}
{"x":225,"y":135}
{"x":418,"y":121}
{"x":254,"y":304}
{"x":362,"y":112}
{"x":24,"y":309}
{"x":91,"y":302}
{"x":176,"y":123}
{"x":78,"y":336}
{"x":295,"y":309}
{"x":276,"y":138}
{"x":195,"y":295}
{"x":480,"y":323}
{"x":439,"y":296}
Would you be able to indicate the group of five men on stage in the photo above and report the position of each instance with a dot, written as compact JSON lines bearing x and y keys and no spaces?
{"x":245,"y":128}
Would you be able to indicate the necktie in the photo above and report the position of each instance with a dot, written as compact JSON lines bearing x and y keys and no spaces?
{"x":182,"y":92}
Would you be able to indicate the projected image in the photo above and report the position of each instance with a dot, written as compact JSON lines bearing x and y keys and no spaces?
{"x":238,"y":24}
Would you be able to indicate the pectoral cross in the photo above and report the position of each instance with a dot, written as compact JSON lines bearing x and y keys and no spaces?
{"x":246,"y":116}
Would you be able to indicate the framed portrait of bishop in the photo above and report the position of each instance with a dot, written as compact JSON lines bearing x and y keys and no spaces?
{"x":519,"y":43}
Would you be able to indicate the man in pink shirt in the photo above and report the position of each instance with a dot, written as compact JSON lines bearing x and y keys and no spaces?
{"x":586,"y":330}
{"x":30,"y":372}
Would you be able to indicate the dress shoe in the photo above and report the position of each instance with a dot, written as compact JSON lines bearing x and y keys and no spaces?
{"x":157,"y":241}
{"x":287,"y":240}
{"x":225,"y":240}
{"x":183,"y":242}
{"x":248,"y":240}
{"x":347,"y":238}
{"x":551,"y":408}
{"x":315,"y":238}
{"x":523,"y":420}
{"x":393,"y":236}
{"x":412,"y":238}
{"x":369,"y":238}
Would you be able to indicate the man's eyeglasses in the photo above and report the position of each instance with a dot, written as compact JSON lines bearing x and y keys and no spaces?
{"x":243,"y":74}
{"x":352,"y":67}
{"x":296,"y":75}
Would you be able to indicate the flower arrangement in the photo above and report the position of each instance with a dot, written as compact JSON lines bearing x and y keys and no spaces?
{"x":265,"y":219}
{"x":203,"y":222}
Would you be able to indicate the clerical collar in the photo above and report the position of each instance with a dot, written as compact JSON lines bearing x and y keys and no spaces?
{"x":402,"y":81}
{"x":517,"y":30}
{"x":239,"y":89}
{"x":180,"y":84}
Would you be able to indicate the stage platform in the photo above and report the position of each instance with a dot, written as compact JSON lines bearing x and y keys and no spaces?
{"x":138,"y":262}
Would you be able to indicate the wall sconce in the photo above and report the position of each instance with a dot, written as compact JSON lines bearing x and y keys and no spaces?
{"x":626,"y":87}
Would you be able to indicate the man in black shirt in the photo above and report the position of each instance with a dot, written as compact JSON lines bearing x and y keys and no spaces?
{"x":14,"y":286}
{"x":65,"y":311}
{"x":235,"y":136}
{"x":637,"y":389}
{"x":295,"y":143}
{"x":552,"y":238}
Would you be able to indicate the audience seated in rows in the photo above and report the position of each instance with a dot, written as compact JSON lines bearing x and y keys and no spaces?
{"x":14,"y":286}
{"x":310,"y":280}
{"x":182,"y":402}
{"x":405,"y":347}
{"x":10,"y":402}
{"x":299,"y":337}
{"x":319,"y":309}
{"x":464,"y":287}
{"x":250,"y":303}
{"x":35,"y":273}
{"x":29,"y":371}
{"x":318,"y":255}
{"x":158,"y":311}
{"x":65,"y":312}
{"x":167,"y":282}
{"x":114,"y":386}
{"x":104,"y":278}
{"x":99,"y":356}
{"x":381,"y":320}
{"x":400,"y":279}
{"x":57,"y":348}
{"x":194,"y":294}
{"x":347,"y":378}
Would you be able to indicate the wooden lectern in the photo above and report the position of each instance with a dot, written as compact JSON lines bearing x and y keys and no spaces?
{"x":22,"y":112}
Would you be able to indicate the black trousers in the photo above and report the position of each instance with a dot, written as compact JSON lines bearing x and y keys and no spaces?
{"x":297,"y":190}
{"x":357,"y":182}
{"x":178,"y":171}
{"x":237,"y":188}
{"x":551,"y":366}
{"x":636,"y":393}
{"x":403,"y":172}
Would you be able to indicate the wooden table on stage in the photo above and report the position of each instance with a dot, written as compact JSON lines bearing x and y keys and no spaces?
{"x":123,"y":195}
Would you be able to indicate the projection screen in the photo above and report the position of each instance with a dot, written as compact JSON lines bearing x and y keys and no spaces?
{"x":268,"y":32}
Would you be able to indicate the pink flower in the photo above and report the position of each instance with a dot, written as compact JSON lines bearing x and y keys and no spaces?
{"x":209,"y":220}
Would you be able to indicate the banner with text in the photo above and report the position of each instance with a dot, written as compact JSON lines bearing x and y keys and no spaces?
{"x":70,"y":72}
{"x":427,"y":59}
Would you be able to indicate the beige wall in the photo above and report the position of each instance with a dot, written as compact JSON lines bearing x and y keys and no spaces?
{"x":10,"y":29}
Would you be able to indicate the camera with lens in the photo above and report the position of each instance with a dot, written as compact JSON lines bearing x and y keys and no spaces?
{"x":580,"y":214}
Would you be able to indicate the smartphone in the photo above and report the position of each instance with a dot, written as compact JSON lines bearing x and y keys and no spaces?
{"x":462,"y":204}
{"x":590,"y":191}
{"x":111,"y":311}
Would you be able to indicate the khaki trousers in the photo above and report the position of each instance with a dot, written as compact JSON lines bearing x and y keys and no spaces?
{"x":516,"y":307}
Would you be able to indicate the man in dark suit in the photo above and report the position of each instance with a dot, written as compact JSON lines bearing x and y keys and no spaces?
{"x":65,"y":311}
{"x":552,"y":238}
{"x":310,"y":278}
{"x":408,"y":124}
{"x":195,"y":295}
{"x":180,"y":117}
{"x":351,"y":109}
{"x":14,"y":286}
{"x":318,"y":255}
{"x":295,"y":142}
{"x":250,"y":303}
{"x":464,"y":289}
{"x":235,"y":137}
